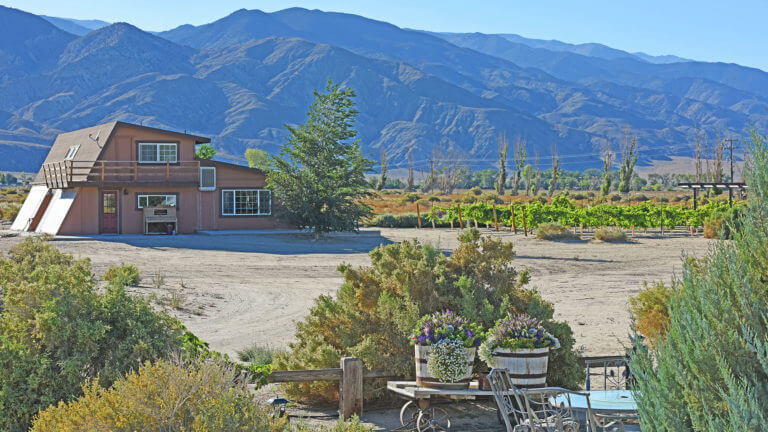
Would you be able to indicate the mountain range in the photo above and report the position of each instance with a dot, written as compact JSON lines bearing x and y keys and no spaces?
{"x":241,"y":78}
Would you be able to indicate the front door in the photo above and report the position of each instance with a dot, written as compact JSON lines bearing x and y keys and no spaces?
{"x":109,"y":212}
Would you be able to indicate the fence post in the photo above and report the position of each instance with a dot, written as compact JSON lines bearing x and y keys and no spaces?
{"x":495,"y":219}
{"x":525,"y":223}
{"x":351,"y":387}
{"x":418,"y":215}
{"x":461,"y":222}
{"x":514,"y":225}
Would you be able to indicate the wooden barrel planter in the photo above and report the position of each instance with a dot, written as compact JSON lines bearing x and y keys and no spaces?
{"x":527,"y":366}
{"x":425,"y":379}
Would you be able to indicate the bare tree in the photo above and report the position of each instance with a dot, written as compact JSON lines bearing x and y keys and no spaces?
{"x":383,"y":179}
{"x":503,"y":146}
{"x":607,"y":164}
{"x":717,"y":162}
{"x":537,"y":176}
{"x":431,"y":181}
{"x":628,"y":161}
{"x":698,"y":154}
{"x":520,"y":157}
{"x":409,"y":182}
{"x":555,"y":171}
{"x":449,"y":165}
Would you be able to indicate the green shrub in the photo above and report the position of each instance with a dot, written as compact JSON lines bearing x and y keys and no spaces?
{"x":258,"y":353}
{"x":709,"y":372}
{"x":372,"y":314}
{"x":410,"y":198}
{"x":124,"y":274}
{"x":469,"y":198}
{"x":57,"y":330}
{"x":611,"y":235}
{"x":554,"y":231}
{"x":199,"y":396}
{"x":650,"y":310}
{"x":639,"y":197}
{"x":433,"y":199}
{"x":476,"y":191}
{"x":614,"y":197}
{"x":713,"y":226}
{"x":579,"y":196}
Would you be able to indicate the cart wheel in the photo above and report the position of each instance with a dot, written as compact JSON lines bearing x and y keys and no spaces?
{"x":433,"y":419}
{"x":409,"y":413}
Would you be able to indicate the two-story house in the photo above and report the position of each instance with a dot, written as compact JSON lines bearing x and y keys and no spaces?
{"x":99,"y":180}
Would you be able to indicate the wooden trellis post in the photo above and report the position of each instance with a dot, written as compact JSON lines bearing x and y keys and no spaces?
{"x":418,"y":215}
{"x":461,"y":222}
{"x":495,"y":219}
{"x":525,"y":223}
{"x":514,"y":224}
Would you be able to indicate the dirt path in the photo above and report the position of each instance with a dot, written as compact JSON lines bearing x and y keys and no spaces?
{"x":236,"y":290}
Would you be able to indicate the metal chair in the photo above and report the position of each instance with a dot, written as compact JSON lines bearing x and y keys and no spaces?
{"x":534,"y":410}
{"x":613,"y":370}
{"x":613,"y":422}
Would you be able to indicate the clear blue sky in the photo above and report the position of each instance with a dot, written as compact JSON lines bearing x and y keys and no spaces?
{"x":710,"y":30}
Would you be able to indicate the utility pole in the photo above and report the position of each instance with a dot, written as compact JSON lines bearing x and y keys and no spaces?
{"x":733,"y":180}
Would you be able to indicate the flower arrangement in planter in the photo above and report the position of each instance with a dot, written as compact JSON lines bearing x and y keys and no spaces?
{"x":520,"y":344}
{"x":445,"y":346}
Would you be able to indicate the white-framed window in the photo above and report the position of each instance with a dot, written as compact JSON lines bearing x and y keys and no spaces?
{"x":152,"y":200}
{"x":158,"y":152}
{"x":246,"y":202}
{"x":71,"y":152}
{"x":207,"y":178}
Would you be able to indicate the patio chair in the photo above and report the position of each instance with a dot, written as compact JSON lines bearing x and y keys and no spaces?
{"x":533,"y":410}
{"x":614,"y":372}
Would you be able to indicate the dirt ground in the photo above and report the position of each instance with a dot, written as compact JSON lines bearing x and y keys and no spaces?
{"x":235,"y":290}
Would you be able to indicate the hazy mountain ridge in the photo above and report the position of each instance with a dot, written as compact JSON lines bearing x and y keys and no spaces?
{"x":241,"y":78}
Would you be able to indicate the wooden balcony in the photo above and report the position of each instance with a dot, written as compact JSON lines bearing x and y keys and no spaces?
{"x":65,"y":174}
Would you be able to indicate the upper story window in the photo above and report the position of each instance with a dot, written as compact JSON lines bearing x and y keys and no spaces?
{"x":158,"y":152}
{"x":71,"y":152}
{"x":207,"y":178}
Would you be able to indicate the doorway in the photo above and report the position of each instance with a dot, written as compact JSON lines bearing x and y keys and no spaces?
{"x":109,"y":217}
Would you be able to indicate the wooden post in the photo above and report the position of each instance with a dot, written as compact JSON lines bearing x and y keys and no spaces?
{"x":71,"y":170}
{"x":476,"y":226}
{"x":135,"y":170}
{"x":418,"y":215}
{"x":514,"y":224}
{"x":495,"y":219}
{"x":461,"y":222}
{"x":525,"y":223}
{"x":351,"y":387}
{"x":102,"y":171}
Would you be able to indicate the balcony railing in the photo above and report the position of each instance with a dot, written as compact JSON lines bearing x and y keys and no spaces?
{"x":69,"y":173}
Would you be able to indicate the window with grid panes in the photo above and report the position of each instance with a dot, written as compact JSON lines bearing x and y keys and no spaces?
{"x":246,"y":202}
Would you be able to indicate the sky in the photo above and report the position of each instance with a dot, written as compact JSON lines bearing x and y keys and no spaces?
{"x":708,"y":30}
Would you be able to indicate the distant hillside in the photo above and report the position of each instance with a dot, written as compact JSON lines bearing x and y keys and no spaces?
{"x":75,"y":26}
{"x":241,"y":78}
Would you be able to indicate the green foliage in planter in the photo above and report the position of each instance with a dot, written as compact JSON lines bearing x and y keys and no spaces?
{"x":57,"y":331}
{"x":374,"y":311}
{"x":710,"y":371}
{"x":124,"y":274}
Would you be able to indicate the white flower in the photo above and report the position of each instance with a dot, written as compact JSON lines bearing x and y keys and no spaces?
{"x":448,"y":361}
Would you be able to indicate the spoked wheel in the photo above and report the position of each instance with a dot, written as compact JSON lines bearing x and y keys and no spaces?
{"x":409,"y":413}
{"x":433,"y":419}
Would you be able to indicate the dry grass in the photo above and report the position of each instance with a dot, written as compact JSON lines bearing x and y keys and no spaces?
{"x":610,"y":235}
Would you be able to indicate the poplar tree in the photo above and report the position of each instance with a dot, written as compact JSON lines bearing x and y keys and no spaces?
{"x":319,"y":175}
{"x":503,"y":146}
{"x":628,"y":161}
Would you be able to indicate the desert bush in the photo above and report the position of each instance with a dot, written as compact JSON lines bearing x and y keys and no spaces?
{"x":10,"y":212}
{"x":375,"y":309}
{"x":259,"y":353}
{"x":491,"y":197}
{"x":124,"y":274}
{"x":405,"y":220}
{"x":650,"y":310}
{"x":713,"y":226}
{"x":476,"y":191}
{"x":554,"y":231}
{"x":410,"y":198}
{"x":611,"y":235}
{"x":203,"y":396}
{"x":433,"y":199}
{"x":57,"y":330}
{"x":614,"y":197}
{"x":469,"y":198}
{"x":709,"y":372}
{"x":579,"y":196}
{"x":638,"y":197}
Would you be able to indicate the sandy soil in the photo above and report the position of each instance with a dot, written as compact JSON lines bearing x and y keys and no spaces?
{"x":233,"y":291}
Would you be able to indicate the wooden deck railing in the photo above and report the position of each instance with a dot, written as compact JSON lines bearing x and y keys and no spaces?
{"x":63,"y":174}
